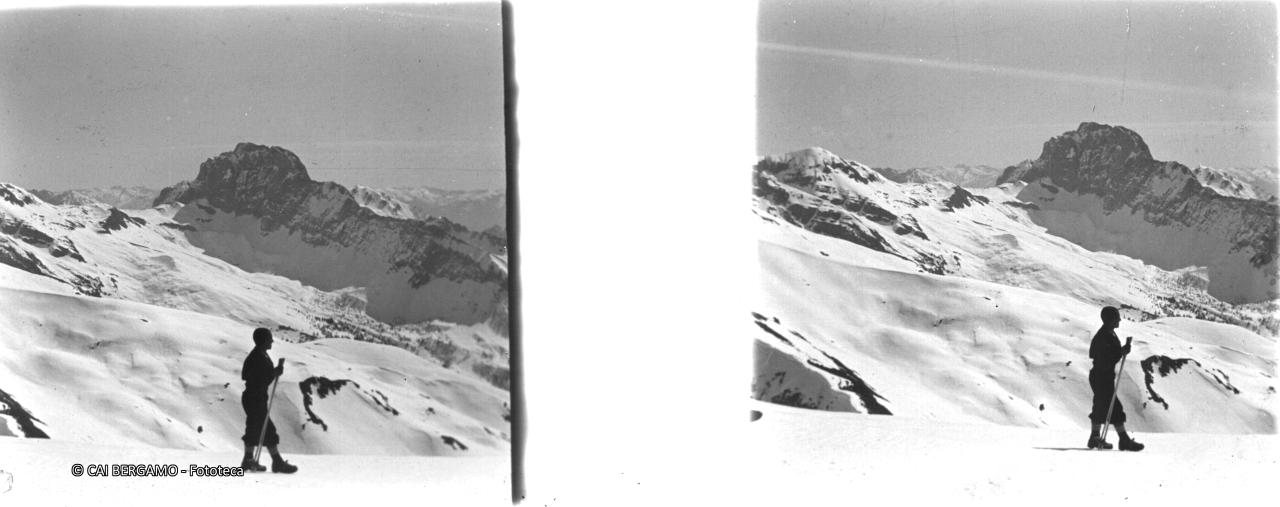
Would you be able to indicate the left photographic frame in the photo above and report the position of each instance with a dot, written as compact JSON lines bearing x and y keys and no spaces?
{"x":193,"y":197}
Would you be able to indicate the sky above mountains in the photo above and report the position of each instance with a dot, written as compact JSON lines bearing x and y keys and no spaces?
{"x":921,"y":83}
{"x":382,"y":95}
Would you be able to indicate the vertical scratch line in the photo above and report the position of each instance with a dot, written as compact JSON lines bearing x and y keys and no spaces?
{"x":1124,"y":73}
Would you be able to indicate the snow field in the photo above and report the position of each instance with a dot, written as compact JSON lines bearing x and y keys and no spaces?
{"x":116,"y":372}
{"x":802,"y":456}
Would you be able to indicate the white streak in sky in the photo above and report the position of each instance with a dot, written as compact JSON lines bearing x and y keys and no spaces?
{"x":433,"y":17}
{"x":1002,"y":70}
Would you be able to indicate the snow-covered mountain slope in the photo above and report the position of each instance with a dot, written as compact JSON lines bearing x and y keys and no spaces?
{"x":805,"y":457}
{"x":381,"y":203}
{"x":1245,"y":183}
{"x":816,"y":198}
{"x":38,"y":472}
{"x":1098,"y":186}
{"x":256,"y":208}
{"x":123,"y":373}
{"x":129,"y":198}
{"x":478,"y":210}
{"x":936,"y":302}
{"x":968,"y":176}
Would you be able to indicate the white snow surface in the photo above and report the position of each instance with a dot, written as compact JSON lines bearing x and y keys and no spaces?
{"x":122,"y":373}
{"x":38,"y":472}
{"x":801,"y":457}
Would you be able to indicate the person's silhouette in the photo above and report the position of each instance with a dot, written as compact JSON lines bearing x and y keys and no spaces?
{"x":258,"y":374}
{"x":1106,"y":351}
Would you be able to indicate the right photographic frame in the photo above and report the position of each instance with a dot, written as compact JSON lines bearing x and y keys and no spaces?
{"x":1016,"y":249}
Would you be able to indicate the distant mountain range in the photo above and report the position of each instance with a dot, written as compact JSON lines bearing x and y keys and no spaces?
{"x":979,"y":176}
{"x":1244,"y":182}
{"x":115,"y":197}
{"x":478,"y":210}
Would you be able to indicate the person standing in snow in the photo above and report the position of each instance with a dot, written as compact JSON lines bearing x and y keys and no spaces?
{"x":258,"y":374}
{"x":1106,"y":351}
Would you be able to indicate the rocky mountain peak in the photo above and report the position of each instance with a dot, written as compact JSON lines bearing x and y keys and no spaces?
{"x":253,"y":165}
{"x":251,"y":179}
{"x":814,"y":166}
{"x":1109,"y":161}
{"x":808,"y":157}
{"x":16,"y":195}
{"x":1094,"y":140}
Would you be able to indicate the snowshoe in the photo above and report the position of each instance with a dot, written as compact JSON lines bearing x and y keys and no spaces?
{"x":282,"y":467}
{"x":1130,"y":444}
{"x":252,"y":466}
{"x":1099,"y":443}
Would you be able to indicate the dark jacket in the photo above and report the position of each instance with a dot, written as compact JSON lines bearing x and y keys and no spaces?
{"x":1105,"y":350}
{"x":258,"y":372}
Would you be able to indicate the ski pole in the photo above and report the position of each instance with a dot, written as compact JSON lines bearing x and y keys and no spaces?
{"x":263,"y":434}
{"x":1115,"y":391}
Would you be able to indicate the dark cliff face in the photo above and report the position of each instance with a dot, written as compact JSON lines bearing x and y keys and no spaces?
{"x":267,"y":182}
{"x":1111,"y":162}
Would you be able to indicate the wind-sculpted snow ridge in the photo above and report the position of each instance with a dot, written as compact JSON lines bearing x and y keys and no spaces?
{"x":256,"y":207}
{"x":1099,"y":186}
{"x":128,"y":374}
